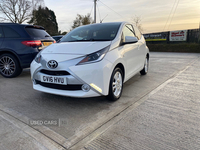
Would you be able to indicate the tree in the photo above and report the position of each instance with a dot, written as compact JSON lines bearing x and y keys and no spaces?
{"x":18,"y":11}
{"x":82,"y":20}
{"x":62,"y":33}
{"x":137,"y":22}
{"x":46,"y":18}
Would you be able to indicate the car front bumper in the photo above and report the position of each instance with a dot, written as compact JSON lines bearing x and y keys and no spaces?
{"x":95,"y":75}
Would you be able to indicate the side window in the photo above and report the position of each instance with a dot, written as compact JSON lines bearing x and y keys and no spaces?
{"x":137,"y":32}
{"x":127,"y":31}
{"x":10,"y":33}
{"x":130,"y":27}
{"x":1,"y":32}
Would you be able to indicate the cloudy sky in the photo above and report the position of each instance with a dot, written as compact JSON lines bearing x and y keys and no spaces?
{"x":155,"y":14}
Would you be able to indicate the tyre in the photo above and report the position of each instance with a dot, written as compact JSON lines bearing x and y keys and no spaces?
{"x":116,"y":85}
{"x":9,"y":66}
{"x":146,"y":67}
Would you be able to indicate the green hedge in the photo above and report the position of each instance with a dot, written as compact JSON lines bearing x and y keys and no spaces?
{"x":181,"y":47}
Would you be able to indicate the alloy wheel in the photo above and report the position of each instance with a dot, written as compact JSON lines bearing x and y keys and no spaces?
{"x":146,"y":65}
{"x":7,"y":66}
{"x":117,"y":84}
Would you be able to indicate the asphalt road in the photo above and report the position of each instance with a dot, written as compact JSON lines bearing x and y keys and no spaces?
{"x":80,"y":119}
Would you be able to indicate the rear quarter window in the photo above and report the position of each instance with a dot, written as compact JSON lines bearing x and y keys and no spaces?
{"x":10,"y":33}
{"x":36,"y":32}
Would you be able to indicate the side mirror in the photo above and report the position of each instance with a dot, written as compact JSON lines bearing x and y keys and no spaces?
{"x":130,"y":40}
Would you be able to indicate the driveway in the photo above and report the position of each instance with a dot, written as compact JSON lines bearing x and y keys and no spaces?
{"x":82,"y":121}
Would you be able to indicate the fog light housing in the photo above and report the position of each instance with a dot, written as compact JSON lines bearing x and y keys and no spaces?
{"x":85,"y":87}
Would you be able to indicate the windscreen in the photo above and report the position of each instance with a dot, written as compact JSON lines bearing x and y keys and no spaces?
{"x":94,"y":32}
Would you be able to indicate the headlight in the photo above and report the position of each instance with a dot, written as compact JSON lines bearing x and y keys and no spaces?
{"x":94,"y":57}
{"x":38,"y":57}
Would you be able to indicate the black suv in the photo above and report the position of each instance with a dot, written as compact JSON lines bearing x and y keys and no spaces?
{"x":19,"y":44}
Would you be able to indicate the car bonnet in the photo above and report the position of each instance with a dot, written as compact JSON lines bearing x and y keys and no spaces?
{"x":76,"y":48}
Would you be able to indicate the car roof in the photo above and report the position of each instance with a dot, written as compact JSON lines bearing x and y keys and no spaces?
{"x":109,"y":23}
{"x":26,"y":25}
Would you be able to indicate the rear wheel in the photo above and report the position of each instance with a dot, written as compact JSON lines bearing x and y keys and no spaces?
{"x":9,"y":66}
{"x":146,"y":67}
{"x":116,"y":85}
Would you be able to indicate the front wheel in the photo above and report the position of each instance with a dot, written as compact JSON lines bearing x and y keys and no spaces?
{"x":146,"y":67}
{"x":9,"y":66}
{"x":116,"y":85}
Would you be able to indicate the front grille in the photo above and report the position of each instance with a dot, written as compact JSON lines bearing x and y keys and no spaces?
{"x":55,"y":73}
{"x":60,"y":87}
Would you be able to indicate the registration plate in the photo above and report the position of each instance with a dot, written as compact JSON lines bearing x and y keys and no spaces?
{"x":47,"y":43}
{"x":54,"y":79}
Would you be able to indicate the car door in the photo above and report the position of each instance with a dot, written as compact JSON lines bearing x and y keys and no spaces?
{"x":1,"y":36}
{"x":141,"y":48}
{"x":130,"y":52}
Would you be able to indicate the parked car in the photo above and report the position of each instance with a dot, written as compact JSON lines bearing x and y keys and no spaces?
{"x":57,"y":37}
{"x":91,"y":60}
{"x":19,"y":44}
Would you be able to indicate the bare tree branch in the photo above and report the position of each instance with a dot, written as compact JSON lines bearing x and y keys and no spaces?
{"x":18,"y":11}
{"x":137,"y":22}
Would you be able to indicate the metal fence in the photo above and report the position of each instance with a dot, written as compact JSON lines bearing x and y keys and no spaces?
{"x":193,"y":36}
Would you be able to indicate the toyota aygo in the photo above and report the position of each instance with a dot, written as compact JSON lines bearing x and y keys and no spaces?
{"x":91,"y":60}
